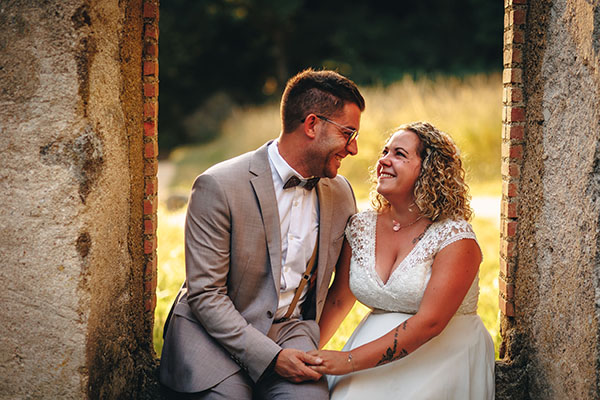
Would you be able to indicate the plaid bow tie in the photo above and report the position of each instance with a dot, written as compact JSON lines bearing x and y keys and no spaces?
{"x":307,"y":184}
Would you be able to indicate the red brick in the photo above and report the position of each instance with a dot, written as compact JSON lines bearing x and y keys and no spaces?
{"x":150,"y":269}
{"x":513,"y":151}
{"x":514,"y":36}
{"x":517,"y":17}
{"x":150,"y":68}
{"x":151,"y":110}
{"x":151,"y":50}
{"x":511,"y":95}
{"x":517,"y":56}
{"x":151,"y":31}
{"x":151,"y":149}
{"x":518,"y":37}
{"x":150,"y":303}
{"x":150,"y":128}
{"x":509,"y":209}
{"x":509,"y":189}
{"x":517,"y":114}
{"x":150,"y":206}
{"x":507,"y":307}
{"x":150,"y":186}
{"x":512,"y":75}
{"x":512,"y":56}
{"x":149,"y":245}
{"x":507,"y":249}
{"x":510,"y":169}
{"x":150,"y":10}
{"x":509,"y":228}
{"x":150,"y":167}
{"x":513,"y":132}
{"x":149,"y":226}
{"x":150,"y":285}
{"x":151,"y":89}
{"x":515,"y":94}
{"x":516,"y":152}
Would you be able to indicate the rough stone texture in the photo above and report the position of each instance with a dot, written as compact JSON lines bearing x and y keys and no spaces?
{"x":553,"y":342}
{"x":71,"y":183}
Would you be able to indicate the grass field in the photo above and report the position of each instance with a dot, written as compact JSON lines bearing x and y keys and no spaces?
{"x":468,"y":109}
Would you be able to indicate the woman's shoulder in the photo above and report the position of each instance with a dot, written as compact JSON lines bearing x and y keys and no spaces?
{"x":455,"y":225}
{"x":449,"y":231}
{"x":360,"y":224}
{"x":362,"y":217}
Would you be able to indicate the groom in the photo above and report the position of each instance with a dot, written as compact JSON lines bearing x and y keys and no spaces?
{"x":263,"y":233}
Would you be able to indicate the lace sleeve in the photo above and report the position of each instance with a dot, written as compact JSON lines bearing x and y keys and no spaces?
{"x":357,"y":231}
{"x":454,"y":231}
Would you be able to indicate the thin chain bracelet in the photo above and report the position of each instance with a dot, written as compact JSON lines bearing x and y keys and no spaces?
{"x":351,"y":361}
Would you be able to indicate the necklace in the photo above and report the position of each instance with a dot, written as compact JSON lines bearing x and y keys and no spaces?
{"x":396,"y":225}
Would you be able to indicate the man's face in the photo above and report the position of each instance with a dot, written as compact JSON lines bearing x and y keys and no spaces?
{"x":331,"y":144}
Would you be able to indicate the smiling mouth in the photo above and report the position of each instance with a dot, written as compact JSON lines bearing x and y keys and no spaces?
{"x":386,"y":175}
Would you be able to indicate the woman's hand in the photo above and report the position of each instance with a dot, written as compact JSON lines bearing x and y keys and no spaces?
{"x":334,"y":362}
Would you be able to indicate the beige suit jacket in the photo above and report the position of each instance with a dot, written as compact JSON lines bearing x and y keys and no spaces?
{"x":233,"y":268}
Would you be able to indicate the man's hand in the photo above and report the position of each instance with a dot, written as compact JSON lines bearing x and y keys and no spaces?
{"x":292,"y":365}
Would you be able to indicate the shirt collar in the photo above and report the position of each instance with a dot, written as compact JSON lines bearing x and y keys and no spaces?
{"x":283,"y":169}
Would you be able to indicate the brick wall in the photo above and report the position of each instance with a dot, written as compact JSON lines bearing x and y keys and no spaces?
{"x":513,"y":121}
{"x":150,"y":93}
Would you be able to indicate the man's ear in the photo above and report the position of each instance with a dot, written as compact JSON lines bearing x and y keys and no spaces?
{"x":310,"y":123}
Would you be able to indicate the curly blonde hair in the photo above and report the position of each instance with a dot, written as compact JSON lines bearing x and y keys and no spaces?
{"x":440,"y":190}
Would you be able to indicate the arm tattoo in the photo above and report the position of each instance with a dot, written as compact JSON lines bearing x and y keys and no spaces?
{"x":390,"y":354}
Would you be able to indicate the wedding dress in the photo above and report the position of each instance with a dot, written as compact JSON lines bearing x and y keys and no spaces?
{"x":456,"y":364}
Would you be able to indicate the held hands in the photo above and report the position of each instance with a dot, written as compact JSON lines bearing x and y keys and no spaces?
{"x":333,"y":362}
{"x":295,"y":365}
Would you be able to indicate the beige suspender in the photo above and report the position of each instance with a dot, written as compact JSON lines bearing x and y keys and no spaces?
{"x":303,"y":281}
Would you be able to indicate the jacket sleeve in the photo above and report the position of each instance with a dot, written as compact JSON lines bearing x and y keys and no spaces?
{"x":207,"y":263}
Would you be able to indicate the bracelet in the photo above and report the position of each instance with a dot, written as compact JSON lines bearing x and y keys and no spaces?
{"x":350,"y":360}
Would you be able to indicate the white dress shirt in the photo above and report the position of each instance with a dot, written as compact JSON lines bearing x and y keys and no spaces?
{"x":299,"y":224}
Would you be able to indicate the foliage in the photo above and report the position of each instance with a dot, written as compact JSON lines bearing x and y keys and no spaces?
{"x":467,"y":108}
{"x":243,"y":51}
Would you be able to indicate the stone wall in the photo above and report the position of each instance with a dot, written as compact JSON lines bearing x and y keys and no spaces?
{"x":550,"y":274}
{"x":73,"y":318}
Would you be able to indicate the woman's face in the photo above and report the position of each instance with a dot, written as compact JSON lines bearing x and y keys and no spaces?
{"x":399,"y":166}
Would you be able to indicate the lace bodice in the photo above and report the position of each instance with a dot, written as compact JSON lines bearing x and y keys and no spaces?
{"x":406,"y":285}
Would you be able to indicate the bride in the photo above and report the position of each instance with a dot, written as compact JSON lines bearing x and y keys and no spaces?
{"x":414,"y":261}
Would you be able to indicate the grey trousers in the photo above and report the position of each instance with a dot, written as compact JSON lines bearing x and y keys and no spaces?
{"x":293,"y":334}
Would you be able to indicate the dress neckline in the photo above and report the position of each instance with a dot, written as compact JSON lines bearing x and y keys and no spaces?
{"x":398,"y":265}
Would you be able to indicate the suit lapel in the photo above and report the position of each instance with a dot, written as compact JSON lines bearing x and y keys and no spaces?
{"x":325,"y":220}
{"x":262,"y":183}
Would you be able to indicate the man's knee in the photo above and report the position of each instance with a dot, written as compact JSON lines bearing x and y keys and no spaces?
{"x":237,"y":386}
{"x":276,"y":387}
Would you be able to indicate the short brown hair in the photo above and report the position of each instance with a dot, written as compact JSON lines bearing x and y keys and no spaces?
{"x":319,"y":92}
{"x":440,"y":190}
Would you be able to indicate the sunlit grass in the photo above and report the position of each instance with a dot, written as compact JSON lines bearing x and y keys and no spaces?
{"x":468,"y":109}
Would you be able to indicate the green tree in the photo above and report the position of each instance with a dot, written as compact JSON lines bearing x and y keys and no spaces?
{"x":218,"y":53}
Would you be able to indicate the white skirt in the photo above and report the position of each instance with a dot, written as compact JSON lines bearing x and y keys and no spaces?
{"x":456,"y":364}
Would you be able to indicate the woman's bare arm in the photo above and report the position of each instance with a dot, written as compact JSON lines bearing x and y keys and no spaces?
{"x":340,"y":299}
{"x":452,"y":274}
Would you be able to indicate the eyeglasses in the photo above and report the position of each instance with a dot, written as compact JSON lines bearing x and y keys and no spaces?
{"x":351,"y":133}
